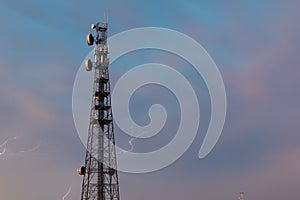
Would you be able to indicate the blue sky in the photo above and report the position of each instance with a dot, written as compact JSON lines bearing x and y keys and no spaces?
{"x":255,"y":45}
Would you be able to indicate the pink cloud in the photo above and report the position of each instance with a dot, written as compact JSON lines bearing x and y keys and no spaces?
{"x":29,"y":105}
{"x":264,"y":88}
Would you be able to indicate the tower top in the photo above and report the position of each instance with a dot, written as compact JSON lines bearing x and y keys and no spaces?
{"x":241,"y":197}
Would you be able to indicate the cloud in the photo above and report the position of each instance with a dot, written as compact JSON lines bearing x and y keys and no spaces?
{"x":263,"y":87}
{"x":275,"y":178}
{"x":28,"y":105}
{"x":37,"y":11}
{"x":256,"y":47}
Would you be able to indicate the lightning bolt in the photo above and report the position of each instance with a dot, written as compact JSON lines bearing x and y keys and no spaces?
{"x":4,"y":144}
{"x":3,"y":152}
{"x":130,"y":142}
{"x":68,"y":192}
{"x":132,"y":139}
{"x":131,"y":145}
{"x":6,"y":141}
{"x":30,"y":150}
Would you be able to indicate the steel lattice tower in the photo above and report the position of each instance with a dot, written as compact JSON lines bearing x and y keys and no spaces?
{"x":100,"y":177}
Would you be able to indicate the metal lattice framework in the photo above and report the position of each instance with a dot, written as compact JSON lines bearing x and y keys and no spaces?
{"x":100,"y":176}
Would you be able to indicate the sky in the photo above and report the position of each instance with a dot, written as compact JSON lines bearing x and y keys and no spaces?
{"x":255,"y":45}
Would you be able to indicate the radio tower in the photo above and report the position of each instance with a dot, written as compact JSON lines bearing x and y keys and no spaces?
{"x":100,"y":177}
{"x":241,"y":197}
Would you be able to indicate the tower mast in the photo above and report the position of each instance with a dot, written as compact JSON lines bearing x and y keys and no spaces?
{"x":100,"y":176}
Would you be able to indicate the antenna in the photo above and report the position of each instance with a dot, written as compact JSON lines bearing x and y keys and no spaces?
{"x":106,"y":20}
{"x":241,"y":197}
{"x":106,"y":17}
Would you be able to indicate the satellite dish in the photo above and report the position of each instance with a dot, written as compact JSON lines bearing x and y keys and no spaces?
{"x":111,"y":171}
{"x":95,"y":123}
{"x":90,"y":39}
{"x":88,"y":65}
{"x":81,"y":170}
{"x":93,"y":26}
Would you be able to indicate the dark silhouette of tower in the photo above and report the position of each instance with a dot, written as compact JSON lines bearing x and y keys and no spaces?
{"x":100,"y":176}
